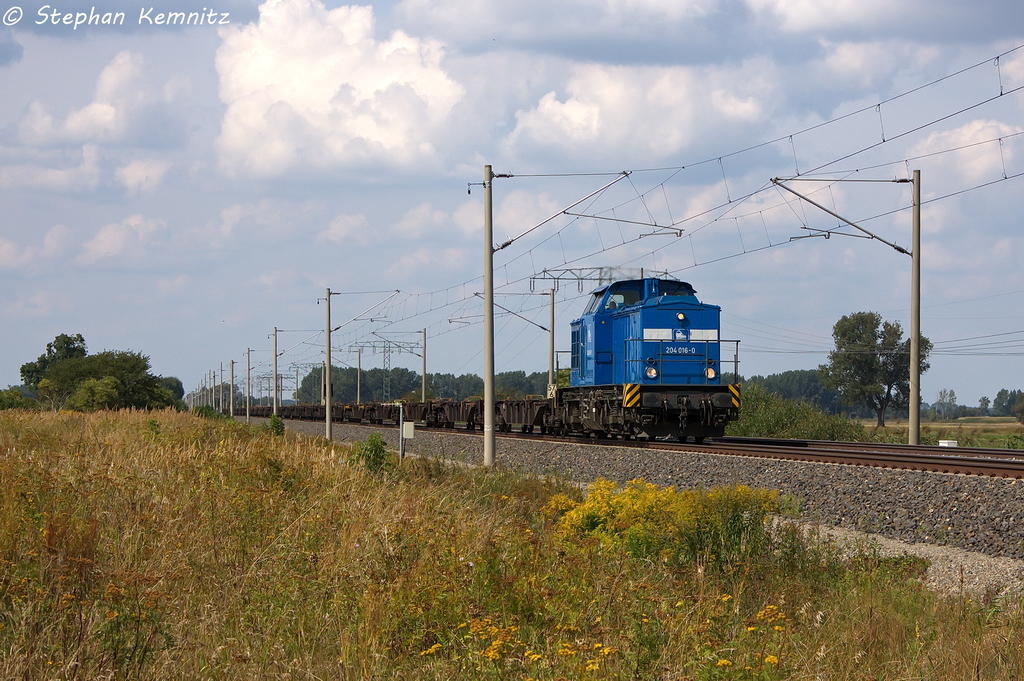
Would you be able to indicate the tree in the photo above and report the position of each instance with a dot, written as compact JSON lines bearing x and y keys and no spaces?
{"x":1018,"y":409}
{"x":1004,"y":402}
{"x":136,"y":388}
{"x":870,"y":365}
{"x":945,"y":404}
{"x":63,"y":347}
{"x":983,"y":406}
{"x":174,"y":385}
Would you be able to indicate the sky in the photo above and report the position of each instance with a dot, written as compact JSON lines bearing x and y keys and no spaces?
{"x":179,"y":179}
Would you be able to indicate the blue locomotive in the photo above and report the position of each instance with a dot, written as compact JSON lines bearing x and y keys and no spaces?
{"x":646,"y":361}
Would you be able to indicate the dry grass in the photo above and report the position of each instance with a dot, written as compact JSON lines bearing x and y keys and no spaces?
{"x":162,"y":546}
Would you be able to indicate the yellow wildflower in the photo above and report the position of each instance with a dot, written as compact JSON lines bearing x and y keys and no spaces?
{"x":432,"y":649}
{"x":724,"y":663}
{"x":771,"y":659}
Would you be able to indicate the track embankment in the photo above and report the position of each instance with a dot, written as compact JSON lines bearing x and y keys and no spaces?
{"x":983,"y":514}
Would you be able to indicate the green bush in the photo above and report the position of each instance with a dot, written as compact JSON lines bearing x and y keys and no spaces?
{"x":372,"y":454}
{"x":765,"y":414}
{"x":276,"y":425}
{"x":13,"y":399}
{"x":94,"y":394}
{"x":208,"y":412}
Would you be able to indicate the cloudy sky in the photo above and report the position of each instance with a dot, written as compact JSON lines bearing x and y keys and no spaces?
{"x":181,"y":190}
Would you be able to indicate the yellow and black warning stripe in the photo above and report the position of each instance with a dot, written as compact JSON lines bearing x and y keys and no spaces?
{"x":735,"y":390}
{"x":631,"y":395}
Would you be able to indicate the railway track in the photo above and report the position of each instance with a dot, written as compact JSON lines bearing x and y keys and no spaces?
{"x":999,"y":463}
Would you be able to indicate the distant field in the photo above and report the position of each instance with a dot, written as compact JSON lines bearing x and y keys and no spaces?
{"x":990,"y":420}
{"x":999,"y":432}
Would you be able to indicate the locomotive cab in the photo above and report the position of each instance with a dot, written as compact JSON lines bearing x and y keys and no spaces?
{"x":647,"y":331}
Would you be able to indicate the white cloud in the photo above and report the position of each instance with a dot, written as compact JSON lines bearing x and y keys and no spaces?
{"x":347,"y":228}
{"x":55,"y":242}
{"x":12,"y":256}
{"x":554,"y":122}
{"x":800,"y":16}
{"x":974,"y":164}
{"x":644,"y":111}
{"x":866,"y":64}
{"x":655,"y":10}
{"x":125,"y":240}
{"x":423,"y":220}
{"x":38,"y":304}
{"x":261,"y":212}
{"x":425,"y":260}
{"x":106,"y":118}
{"x":142,"y":176}
{"x":521,"y":210}
{"x":469,"y":217}
{"x":312,"y":86}
{"x":86,"y":176}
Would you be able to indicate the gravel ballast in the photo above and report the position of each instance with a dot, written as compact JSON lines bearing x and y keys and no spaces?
{"x":980,"y":515}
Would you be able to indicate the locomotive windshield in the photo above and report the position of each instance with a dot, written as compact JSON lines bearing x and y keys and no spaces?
{"x":624,"y":293}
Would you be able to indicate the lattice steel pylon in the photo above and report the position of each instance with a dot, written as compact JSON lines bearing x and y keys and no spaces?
{"x":386,"y":347}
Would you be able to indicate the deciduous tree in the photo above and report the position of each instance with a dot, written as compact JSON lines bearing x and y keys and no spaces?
{"x":63,"y":347}
{"x":870,"y":365}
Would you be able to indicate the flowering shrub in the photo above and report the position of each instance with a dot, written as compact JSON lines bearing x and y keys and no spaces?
{"x":715,"y":526}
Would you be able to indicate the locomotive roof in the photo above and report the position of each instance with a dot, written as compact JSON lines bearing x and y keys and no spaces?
{"x":676,"y":283}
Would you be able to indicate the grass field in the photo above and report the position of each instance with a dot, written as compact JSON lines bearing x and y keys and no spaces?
{"x":984,"y":431}
{"x":165,"y":546}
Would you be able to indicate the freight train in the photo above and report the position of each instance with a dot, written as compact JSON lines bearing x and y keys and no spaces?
{"x":646,"y":362}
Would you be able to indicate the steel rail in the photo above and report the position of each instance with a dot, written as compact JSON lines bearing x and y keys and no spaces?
{"x":1000,"y":463}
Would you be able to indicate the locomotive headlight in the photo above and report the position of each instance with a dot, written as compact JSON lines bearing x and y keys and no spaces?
{"x":710,"y":373}
{"x":651,"y":373}
{"x":681,"y":317}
